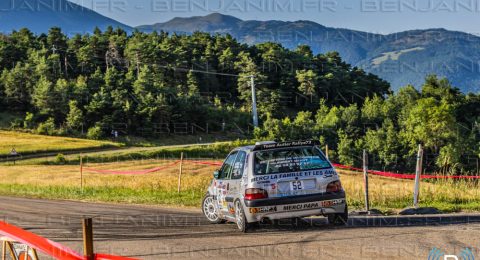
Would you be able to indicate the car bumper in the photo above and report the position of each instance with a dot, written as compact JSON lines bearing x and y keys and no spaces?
{"x":295,"y":206}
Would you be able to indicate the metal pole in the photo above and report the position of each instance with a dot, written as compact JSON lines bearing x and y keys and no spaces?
{"x":254,"y":101}
{"x":180,"y":173}
{"x":418,"y":172}
{"x":81,"y":173}
{"x":87,"y":225}
{"x":365,"y":179}
{"x":326,"y":151}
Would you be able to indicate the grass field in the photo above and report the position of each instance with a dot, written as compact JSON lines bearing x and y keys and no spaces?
{"x":63,"y":182}
{"x":26,"y":143}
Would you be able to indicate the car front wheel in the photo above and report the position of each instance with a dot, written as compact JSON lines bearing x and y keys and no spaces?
{"x":210,"y":210}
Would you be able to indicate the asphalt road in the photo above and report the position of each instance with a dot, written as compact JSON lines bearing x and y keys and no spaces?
{"x":168,"y":233}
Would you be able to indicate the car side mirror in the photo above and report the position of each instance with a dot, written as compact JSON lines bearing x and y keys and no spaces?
{"x":216,"y":174}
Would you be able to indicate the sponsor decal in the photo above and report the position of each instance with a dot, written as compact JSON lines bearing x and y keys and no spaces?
{"x":327,"y":173}
{"x":263,"y":182}
{"x":263,"y":210}
{"x":231,"y":209}
{"x":284,"y":144}
{"x":312,"y":205}
{"x":330,"y":203}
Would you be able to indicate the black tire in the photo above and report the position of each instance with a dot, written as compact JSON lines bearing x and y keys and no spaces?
{"x":338,"y":219}
{"x":210,"y":211}
{"x":240,"y":219}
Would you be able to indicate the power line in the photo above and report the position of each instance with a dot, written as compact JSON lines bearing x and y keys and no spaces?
{"x":252,"y":85}
{"x":204,"y":72}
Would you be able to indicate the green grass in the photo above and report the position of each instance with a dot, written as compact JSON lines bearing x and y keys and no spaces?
{"x":27,"y":144}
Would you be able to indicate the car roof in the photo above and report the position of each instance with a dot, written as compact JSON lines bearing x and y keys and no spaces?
{"x":247,"y":148}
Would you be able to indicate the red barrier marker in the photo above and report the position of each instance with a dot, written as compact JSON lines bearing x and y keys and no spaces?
{"x":47,"y":246}
{"x":130,"y":172}
{"x":39,"y":243}
{"x":403,"y":176}
{"x":205,"y":163}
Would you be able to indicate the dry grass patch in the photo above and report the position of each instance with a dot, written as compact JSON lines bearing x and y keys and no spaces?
{"x":26,"y":143}
{"x":161,"y":187}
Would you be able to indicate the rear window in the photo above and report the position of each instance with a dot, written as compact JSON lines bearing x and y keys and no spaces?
{"x":289,"y":160}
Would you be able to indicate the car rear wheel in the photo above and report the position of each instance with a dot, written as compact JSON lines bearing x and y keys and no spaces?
{"x":240,"y":218}
{"x":210,"y":210}
{"x":339,"y":219}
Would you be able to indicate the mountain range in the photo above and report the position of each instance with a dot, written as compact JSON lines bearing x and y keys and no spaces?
{"x":400,"y":58}
{"x":39,"y":16}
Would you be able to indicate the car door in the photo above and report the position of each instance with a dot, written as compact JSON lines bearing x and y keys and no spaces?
{"x":235,"y":182}
{"x":223,"y":183}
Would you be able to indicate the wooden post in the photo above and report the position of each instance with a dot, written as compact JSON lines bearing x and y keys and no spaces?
{"x":4,"y":250}
{"x":326,"y":151}
{"x":87,"y":225}
{"x":180,"y":173}
{"x":418,"y":172}
{"x":81,"y":173}
{"x":365,"y":179}
{"x":34,"y":253}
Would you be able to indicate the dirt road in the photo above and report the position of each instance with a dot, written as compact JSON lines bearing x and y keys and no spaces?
{"x":165,"y":233}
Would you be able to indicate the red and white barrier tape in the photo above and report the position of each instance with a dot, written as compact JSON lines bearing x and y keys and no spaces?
{"x":44,"y":245}
{"x":340,"y":166}
{"x":403,"y":176}
{"x":47,"y":246}
{"x":156,"y":169}
{"x":209,"y":163}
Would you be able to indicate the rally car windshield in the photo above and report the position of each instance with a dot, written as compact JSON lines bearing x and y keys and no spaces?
{"x":289,"y":160}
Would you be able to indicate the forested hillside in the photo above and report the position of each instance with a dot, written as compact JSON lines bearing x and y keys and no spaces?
{"x":110,"y":78}
{"x":158,"y":84}
{"x":400,"y":58}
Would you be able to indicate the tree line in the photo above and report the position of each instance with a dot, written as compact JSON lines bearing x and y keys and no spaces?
{"x":88,"y":84}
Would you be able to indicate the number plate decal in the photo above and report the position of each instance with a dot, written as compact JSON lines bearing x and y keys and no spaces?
{"x":296,"y":185}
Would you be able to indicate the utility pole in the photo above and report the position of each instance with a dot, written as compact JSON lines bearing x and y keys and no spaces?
{"x":418,"y":172}
{"x":365,"y":179}
{"x":254,"y":101}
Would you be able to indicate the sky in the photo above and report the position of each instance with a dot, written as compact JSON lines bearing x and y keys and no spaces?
{"x":376,"y":16}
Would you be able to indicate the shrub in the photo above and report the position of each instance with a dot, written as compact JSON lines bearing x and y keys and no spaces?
{"x":60,"y":159}
{"x":28,"y":122}
{"x":95,"y":133}
{"x":47,"y":127}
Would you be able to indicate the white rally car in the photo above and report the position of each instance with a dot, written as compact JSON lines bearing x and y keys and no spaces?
{"x":274,"y":181}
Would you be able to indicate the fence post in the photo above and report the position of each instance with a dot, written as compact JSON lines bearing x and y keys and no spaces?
{"x":81,"y":173}
{"x":4,"y":250}
{"x":180,"y":173}
{"x":365,"y":179}
{"x":87,"y":225}
{"x":326,"y":151}
{"x":418,"y":172}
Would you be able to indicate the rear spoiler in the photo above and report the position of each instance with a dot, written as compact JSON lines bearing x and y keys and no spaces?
{"x":285,"y":145}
